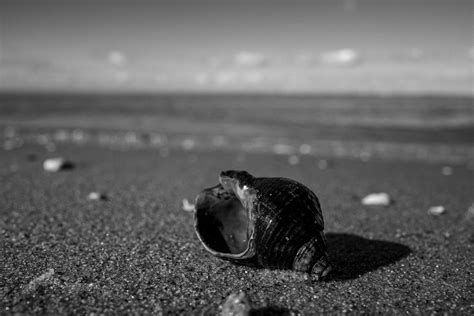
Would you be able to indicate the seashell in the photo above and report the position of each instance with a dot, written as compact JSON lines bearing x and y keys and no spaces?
{"x":437,"y":210}
{"x":57,"y":164}
{"x":273,"y":223}
{"x":382,"y":199}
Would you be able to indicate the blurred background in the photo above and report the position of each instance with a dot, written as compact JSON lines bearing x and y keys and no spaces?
{"x":348,"y":46}
{"x":355,"y":78}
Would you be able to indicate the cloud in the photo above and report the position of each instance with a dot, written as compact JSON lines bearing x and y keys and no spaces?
{"x":202,"y":78}
{"x":342,"y":57}
{"x":249,"y":59}
{"x":116,"y":58}
{"x":229,"y":77}
{"x":223,"y":78}
{"x":252,"y":77}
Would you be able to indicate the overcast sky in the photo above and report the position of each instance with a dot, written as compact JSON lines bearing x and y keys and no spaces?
{"x":392,"y":45}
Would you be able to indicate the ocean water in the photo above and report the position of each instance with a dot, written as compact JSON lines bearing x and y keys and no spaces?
{"x":410,"y":127}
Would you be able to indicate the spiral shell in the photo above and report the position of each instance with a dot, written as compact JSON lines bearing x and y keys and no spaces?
{"x":273,"y":223}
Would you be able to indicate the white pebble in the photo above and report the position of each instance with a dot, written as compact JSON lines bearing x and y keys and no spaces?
{"x":382,"y":199}
{"x":188,"y":207}
{"x":436,"y":210}
{"x":236,"y":304}
{"x":188,"y":144}
{"x":61,"y":135}
{"x":293,"y":160}
{"x":95,"y":196}
{"x":78,"y":135}
{"x":157,"y":139}
{"x":446,"y":171}
{"x":305,"y":149}
{"x":131,"y":138}
{"x":54,"y":164}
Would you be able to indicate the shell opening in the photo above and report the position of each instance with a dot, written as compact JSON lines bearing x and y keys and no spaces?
{"x":222,"y":222}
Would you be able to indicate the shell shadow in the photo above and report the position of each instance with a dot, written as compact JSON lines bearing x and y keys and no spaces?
{"x":353,"y":256}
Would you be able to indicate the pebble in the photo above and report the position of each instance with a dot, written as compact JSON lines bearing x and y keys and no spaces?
{"x":305,"y":149}
{"x":436,"y":210}
{"x":78,"y":135}
{"x":56,"y":164}
{"x":187,"y":206}
{"x":382,"y":199}
{"x":61,"y":135}
{"x":236,"y":304}
{"x":188,"y":144}
{"x":157,"y":139}
{"x":96,"y":196}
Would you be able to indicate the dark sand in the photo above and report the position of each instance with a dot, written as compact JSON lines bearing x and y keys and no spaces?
{"x":137,"y":252}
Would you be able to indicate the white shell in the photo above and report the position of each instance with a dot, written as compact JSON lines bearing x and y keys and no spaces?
{"x":54,"y":164}
{"x":377,"y":199}
{"x":187,"y":206}
{"x":436,"y":210}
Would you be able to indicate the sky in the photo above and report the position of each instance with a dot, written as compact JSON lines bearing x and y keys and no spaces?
{"x":380,"y":46}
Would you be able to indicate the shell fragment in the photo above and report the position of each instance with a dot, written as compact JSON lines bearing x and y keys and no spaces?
{"x":377,"y":199}
{"x":187,"y":206}
{"x":437,"y":210}
{"x":56,"y":164}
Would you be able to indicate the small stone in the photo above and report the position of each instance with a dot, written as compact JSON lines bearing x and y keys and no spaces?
{"x":236,"y":304}
{"x":305,"y":149}
{"x":187,"y":206}
{"x":61,"y":135}
{"x":188,"y":144}
{"x":436,"y":210}
{"x":446,"y":171}
{"x":293,"y":160}
{"x":78,"y":135}
{"x":96,"y":196}
{"x":56,"y":164}
{"x":382,"y":199}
